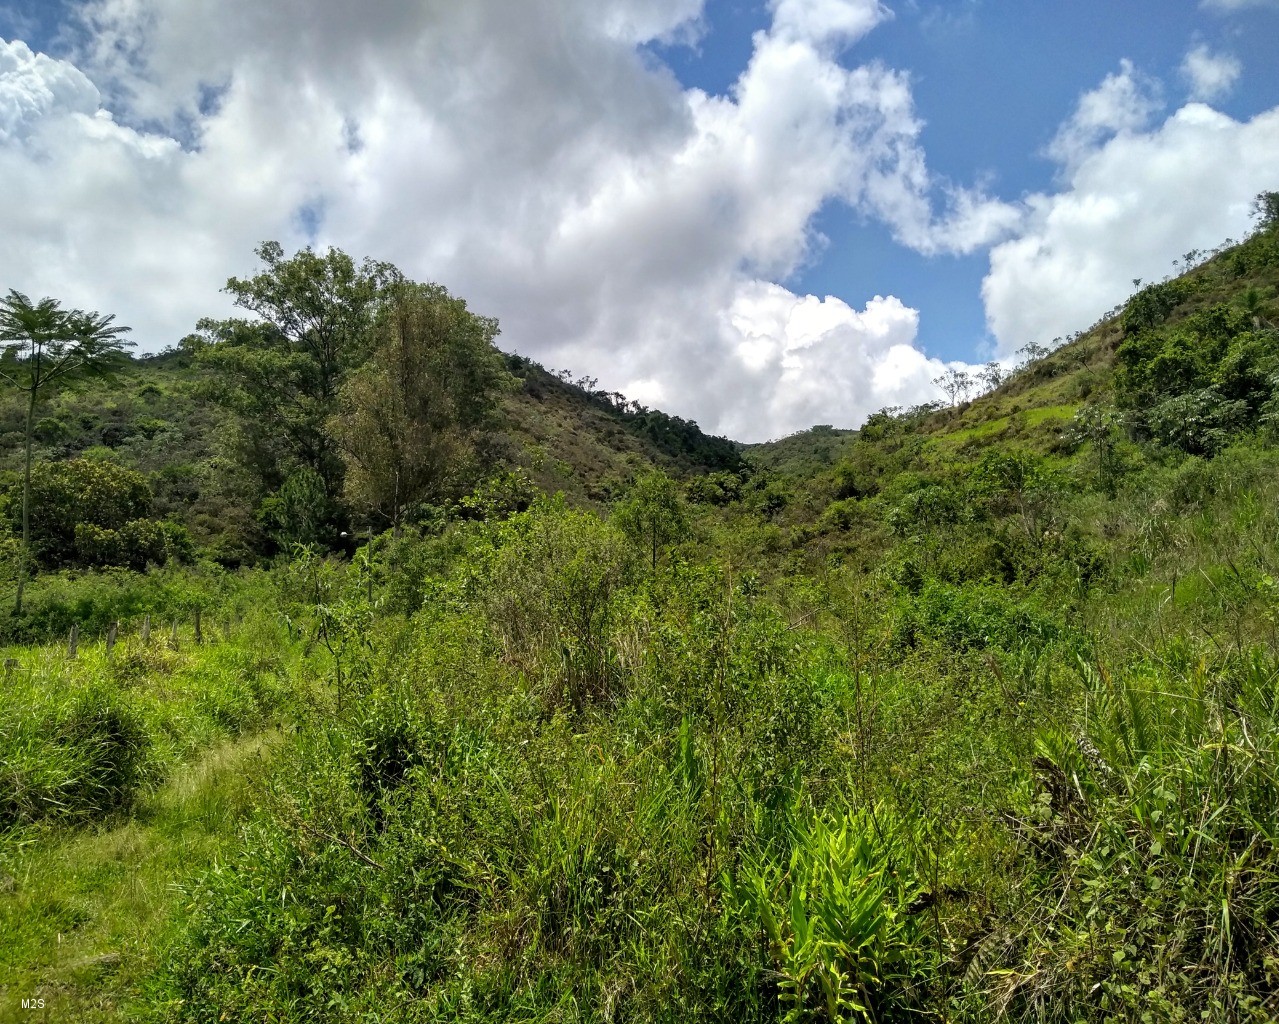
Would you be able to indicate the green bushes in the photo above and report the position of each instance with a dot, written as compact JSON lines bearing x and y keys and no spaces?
{"x":1155,"y":835}
{"x":572,"y":786}
{"x":552,"y":593}
{"x":1152,"y":305}
{"x":86,"y":756}
{"x":81,"y":739}
{"x":1196,"y":385}
{"x":95,"y":513}
{"x":94,"y":600}
{"x":969,"y":617}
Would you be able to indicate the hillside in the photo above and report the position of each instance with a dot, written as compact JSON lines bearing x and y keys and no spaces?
{"x":592,"y":444}
{"x":1231,"y":297}
{"x":156,"y":415}
{"x":968,"y":714}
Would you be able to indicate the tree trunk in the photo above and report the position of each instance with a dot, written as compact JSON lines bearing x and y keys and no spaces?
{"x":24,"y":559}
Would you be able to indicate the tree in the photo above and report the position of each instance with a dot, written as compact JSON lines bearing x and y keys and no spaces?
{"x":408,"y":421}
{"x":297,"y":512}
{"x":1031,"y":352}
{"x":1100,"y":427}
{"x":45,"y":346}
{"x":652,"y":513}
{"x":954,"y":384}
{"x":93,"y":512}
{"x":282,"y":371}
{"x":991,"y":375}
{"x":1266,"y":209}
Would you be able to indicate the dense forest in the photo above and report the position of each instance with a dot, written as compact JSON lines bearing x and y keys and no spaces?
{"x":358,"y":671}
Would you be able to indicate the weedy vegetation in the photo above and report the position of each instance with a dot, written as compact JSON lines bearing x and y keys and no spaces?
{"x":970,"y":714}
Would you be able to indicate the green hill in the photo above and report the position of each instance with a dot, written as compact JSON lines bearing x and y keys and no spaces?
{"x":156,"y":416}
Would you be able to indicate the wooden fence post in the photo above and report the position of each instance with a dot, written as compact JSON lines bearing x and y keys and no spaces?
{"x":73,"y":641}
{"x":146,"y":628}
{"x":173,"y":635}
{"x":112,"y":634}
{"x":199,"y":639}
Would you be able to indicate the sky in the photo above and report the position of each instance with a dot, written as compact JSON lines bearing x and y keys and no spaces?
{"x":757,"y":215}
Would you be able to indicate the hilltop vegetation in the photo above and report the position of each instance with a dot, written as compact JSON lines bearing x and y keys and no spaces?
{"x":969,"y":714}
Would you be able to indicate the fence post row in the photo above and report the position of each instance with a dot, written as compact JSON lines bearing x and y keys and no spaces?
{"x":113,"y":636}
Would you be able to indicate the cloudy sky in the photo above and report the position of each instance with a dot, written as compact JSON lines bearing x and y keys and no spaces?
{"x":760,"y":215}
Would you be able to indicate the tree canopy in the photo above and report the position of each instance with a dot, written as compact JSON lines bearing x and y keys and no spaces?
{"x":409,"y":419}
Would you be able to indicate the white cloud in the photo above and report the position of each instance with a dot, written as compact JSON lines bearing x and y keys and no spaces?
{"x":809,"y":360}
{"x":33,"y":85}
{"x":109,"y":217}
{"x":1129,"y":206}
{"x":1210,"y":75}
{"x":833,"y":22}
{"x":532,"y":159}
{"x":1123,"y":103}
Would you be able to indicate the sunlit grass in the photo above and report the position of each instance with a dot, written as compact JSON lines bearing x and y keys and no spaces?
{"x":87,"y":912}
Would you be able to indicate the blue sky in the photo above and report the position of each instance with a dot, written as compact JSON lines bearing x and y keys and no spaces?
{"x":757,"y":215}
{"x":993,"y":80}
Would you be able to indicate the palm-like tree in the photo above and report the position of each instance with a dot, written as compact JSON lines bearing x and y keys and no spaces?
{"x":44,"y":345}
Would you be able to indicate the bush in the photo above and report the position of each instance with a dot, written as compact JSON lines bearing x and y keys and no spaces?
{"x":840,"y":917}
{"x":94,"y":600}
{"x":89,"y":513}
{"x":87,"y":757}
{"x":1199,"y":422}
{"x":1151,"y":306}
{"x":970,"y":617}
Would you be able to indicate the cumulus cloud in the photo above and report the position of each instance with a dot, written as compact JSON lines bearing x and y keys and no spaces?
{"x":106,"y":216}
{"x":543,"y":166}
{"x":33,"y":85}
{"x":799,"y":351}
{"x":1210,"y":75}
{"x":1123,"y":103}
{"x":831,"y":22}
{"x":1129,"y":206}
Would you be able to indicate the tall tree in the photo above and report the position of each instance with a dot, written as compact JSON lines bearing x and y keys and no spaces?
{"x":409,"y":419}
{"x":283,"y":369}
{"x":45,"y":346}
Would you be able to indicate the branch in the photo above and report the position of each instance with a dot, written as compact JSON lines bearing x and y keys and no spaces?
{"x":321,"y":834}
{"x":61,"y":369}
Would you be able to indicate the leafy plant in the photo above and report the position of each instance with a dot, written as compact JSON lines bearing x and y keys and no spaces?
{"x":840,"y":918}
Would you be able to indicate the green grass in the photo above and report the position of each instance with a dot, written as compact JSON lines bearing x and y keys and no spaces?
{"x":86,"y":912}
{"x":82,"y":737}
{"x":124,"y":775}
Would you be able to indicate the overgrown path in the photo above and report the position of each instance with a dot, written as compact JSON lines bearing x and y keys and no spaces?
{"x":84,"y":913}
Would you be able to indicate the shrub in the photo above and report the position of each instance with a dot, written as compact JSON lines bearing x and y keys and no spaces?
{"x":87,"y":757}
{"x":89,"y":513}
{"x":1199,"y":422}
{"x":970,"y":617}
{"x":840,"y":917}
{"x":1151,"y":306}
